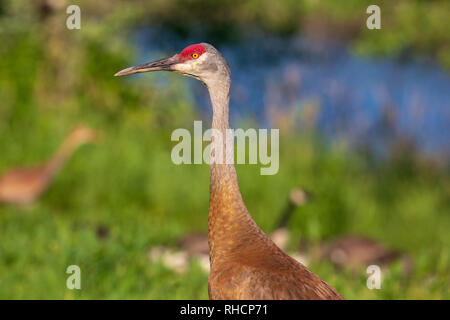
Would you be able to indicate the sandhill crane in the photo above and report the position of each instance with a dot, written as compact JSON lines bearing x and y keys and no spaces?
{"x":22,"y":186}
{"x":245,"y":262}
{"x":355,"y":253}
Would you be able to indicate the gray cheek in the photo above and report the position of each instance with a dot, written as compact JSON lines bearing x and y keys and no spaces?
{"x":209,"y":67}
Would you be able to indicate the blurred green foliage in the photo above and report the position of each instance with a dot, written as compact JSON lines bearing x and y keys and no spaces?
{"x":52,"y":79}
{"x":409,"y":27}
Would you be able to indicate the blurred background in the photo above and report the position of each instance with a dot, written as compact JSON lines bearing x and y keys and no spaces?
{"x":363,"y":118}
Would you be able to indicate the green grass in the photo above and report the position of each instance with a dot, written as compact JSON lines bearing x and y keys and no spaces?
{"x":128,"y":185}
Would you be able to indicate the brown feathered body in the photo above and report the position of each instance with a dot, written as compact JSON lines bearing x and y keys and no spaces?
{"x":245,"y":263}
{"x":23,"y":186}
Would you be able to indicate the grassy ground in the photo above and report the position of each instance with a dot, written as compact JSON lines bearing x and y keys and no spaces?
{"x":128,"y":186}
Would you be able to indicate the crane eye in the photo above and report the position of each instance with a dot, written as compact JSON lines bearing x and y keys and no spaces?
{"x":195,"y":55}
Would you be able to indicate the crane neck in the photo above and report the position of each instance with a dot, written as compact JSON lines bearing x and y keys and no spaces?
{"x":228,"y":216}
{"x":219,"y":92}
{"x":222,"y":174}
{"x":61,"y":155}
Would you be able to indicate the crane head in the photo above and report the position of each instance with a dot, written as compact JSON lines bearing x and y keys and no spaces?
{"x":201,"y":61}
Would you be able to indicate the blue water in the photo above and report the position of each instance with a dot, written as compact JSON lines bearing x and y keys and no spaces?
{"x":356,"y":94}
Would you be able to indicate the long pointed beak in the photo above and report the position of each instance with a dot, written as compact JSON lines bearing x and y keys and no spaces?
{"x":163,"y":64}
